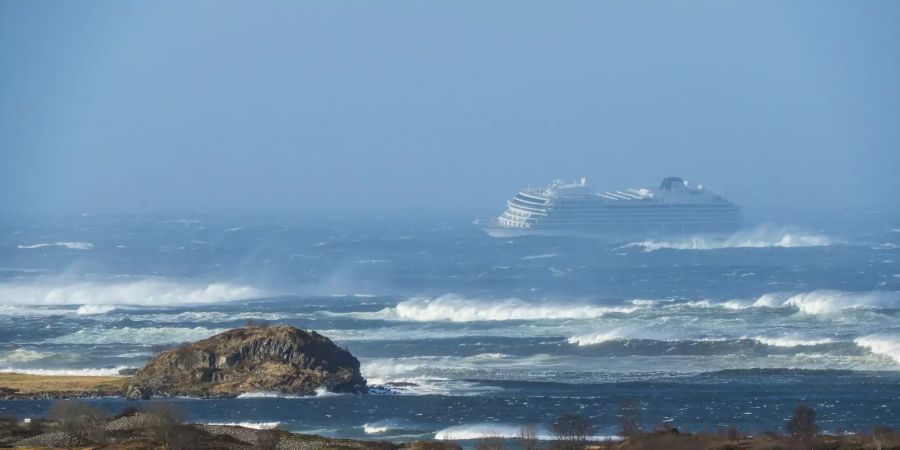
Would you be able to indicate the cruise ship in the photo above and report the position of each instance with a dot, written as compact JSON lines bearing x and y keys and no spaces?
{"x":574,"y":209}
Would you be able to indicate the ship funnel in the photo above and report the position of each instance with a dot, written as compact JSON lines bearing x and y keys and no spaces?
{"x":584,"y":181}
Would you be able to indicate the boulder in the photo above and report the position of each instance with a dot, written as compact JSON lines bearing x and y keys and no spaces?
{"x":281,"y":359}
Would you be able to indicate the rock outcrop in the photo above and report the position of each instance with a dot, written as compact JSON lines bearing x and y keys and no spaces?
{"x":278,"y":359}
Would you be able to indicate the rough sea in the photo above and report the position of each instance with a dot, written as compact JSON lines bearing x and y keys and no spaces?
{"x":462,"y":334}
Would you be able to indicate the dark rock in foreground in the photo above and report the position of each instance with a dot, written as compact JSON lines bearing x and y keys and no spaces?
{"x":280,"y":359}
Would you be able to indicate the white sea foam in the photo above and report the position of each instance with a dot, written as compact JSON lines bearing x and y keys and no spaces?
{"x":21,"y":355}
{"x":621,"y":333}
{"x":881,"y":344}
{"x":454,"y":308}
{"x":145,"y":291}
{"x":323,"y":391}
{"x":267,"y":394}
{"x":69,"y":245}
{"x":86,"y":310}
{"x":67,"y":372}
{"x":509,"y":431}
{"x":759,"y":238}
{"x":829,"y":302}
{"x":541,"y":256}
{"x":791,"y":341}
{"x":374,"y":429}
{"x":253,"y":425}
{"x":139,"y":336}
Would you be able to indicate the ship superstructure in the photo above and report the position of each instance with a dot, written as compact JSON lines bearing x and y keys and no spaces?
{"x":575,"y":209}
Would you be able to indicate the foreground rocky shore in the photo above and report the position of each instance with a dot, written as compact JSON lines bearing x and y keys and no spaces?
{"x":72,"y":424}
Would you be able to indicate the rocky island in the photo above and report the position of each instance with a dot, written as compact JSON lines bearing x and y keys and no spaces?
{"x":281,"y":359}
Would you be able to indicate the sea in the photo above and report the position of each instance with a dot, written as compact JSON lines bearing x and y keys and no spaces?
{"x":460,"y":334}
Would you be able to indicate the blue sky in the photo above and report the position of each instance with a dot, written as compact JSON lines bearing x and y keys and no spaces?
{"x":360,"y":105}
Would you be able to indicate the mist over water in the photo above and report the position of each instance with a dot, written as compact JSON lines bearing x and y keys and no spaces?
{"x":443,"y":316}
{"x":176,"y":170}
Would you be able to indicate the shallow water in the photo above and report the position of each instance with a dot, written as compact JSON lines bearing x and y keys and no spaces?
{"x":483,"y":334}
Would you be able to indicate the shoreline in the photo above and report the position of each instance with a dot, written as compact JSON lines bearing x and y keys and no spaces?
{"x":21,"y":386}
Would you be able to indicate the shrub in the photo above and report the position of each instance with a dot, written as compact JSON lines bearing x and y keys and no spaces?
{"x":802,"y":426}
{"x":80,"y":419}
{"x":571,"y":431}
{"x":167,"y":427}
{"x":489,"y":441}
{"x":881,"y":436}
{"x":629,"y":419}
{"x":528,"y":437}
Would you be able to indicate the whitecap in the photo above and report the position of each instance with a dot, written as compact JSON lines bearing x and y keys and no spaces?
{"x":759,"y":238}
{"x":501,"y":430}
{"x":455,"y":308}
{"x":622,"y":333}
{"x":829,"y":301}
{"x":85,"y":310}
{"x":144,"y":291}
{"x":69,"y":245}
{"x":87,"y":372}
{"x":253,"y":425}
{"x":791,"y":341}
{"x":267,"y":394}
{"x":881,"y":344}
{"x":21,"y":355}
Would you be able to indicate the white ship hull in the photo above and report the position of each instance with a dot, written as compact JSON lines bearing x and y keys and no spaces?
{"x":673,"y":210}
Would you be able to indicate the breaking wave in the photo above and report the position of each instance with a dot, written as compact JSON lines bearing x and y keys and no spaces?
{"x":507,"y":431}
{"x":615,"y":334}
{"x":69,"y":245}
{"x":139,"y":336}
{"x":253,"y":425}
{"x":881,"y":344}
{"x":454,"y":308}
{"x":792,"y":341}
{"x":267,"y":394}
{"x":829,"y":302}
{"x":21,"y":355}
{"x":820,"y":301}
{"x":147,"y":291}
{"x":87,"y":310}
{"x":104,"y":372}
{"x":759,"y":238}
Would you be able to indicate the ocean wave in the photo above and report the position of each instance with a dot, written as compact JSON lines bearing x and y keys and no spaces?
{"x":622,"y":333}
{"x":208,"y":317}
{"x":375,"y":429}
{"x":69,"y":245}
{"x":501,"y":430}
{"x":541,"y":256}
{"x":454,"y":308}
{"x":267,"y":394}
{"x":830,"y":302}
{"x":881,"y":344}
{"x":138,"y":336}
{"x":146,"y":291}
{"x":792,"y":341}
{"x":87,"y":310}
{"x":820,"y":301}
{"x":21,"y":355}
{"x":759,"y":238}
{"x":253,"y":425}
{"x":89,"y":372}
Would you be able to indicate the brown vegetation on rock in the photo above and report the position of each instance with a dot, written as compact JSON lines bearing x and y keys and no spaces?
{"x":281,"y":359}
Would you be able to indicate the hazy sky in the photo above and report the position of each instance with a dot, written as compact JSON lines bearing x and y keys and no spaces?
{"x":126,"y":105}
